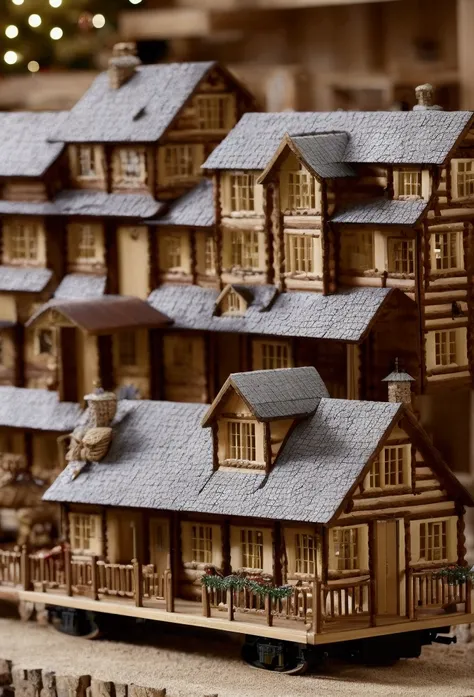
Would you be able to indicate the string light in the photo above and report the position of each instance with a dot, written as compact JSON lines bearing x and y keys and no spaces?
{"x":10,"y":57}
{"x":33,"y":66}
{"x":135,"y":2}
{"x":98,"y":21}
{"x":18,"y":2}
{"x":34,"y":20}
{"x":56,"y":33}
{"x":55,"y":3}
{"x":11,"y":32}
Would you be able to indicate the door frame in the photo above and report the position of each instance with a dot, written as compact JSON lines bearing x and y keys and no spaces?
{"x":396,"y":559}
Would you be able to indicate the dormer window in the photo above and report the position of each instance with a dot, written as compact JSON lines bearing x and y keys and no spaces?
{"x":407,"y":184}
{"x":242,"y":192}
{"x":87,"y":163}
{"x":299,"y":191}
{"x":215,"y":111}
{"x":231,"y":302}
{"x":132,"y":167}
{"x":391,"y":469}
{"x":241,"y":444}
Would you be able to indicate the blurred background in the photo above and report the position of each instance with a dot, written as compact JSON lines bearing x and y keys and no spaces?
{"x":293,"y":54}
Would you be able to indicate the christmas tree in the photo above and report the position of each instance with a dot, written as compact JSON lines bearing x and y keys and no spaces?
{"x":44,"y":34}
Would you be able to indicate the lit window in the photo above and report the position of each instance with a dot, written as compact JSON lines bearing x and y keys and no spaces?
{"x":84,"y":532}
{"x":241,"y":443}
{"x":301,"y":191}
{"x":181,"y":162}
{"x":446,"y":245}
{"x":87,"y":164}
{"x":401,"y":255}
{"x":242,"y":196}
{"x":210,"y":256}
{"x":357,"y":251}
{"x":127,"y":349}
{"x":346,"y":549}
{"x":409,"y":184}
{"x":201,"y":543}
{"x":233,"y":304}
{"x":305,"y":554}
{"x":433,"y":541}
{"x":132,"y":166}
{"x":445,"y":347}
{"x":44,"y":342}
{"x":390,"y":469}
{"x":251,"y":545}
{"x":272,"y":355}
{"x":299,"y":253}
{"x":213,"y":111}
{"x":172,"y":248}
{"x":86,"y":243}
{"x":23,"y":240}
{"x":244,"y":249}
{"x":464,"y":177}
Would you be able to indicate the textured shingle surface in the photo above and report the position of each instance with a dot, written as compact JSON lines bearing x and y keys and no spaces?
{"x":161,"y":458}
{"x":382,"y":212}
{"x":416,"y":137}
{"x":81,"y":286}
{"x":102,"y":204}
{"x":345,"y":316}
{"x":37,"y":409}
{"x":324,"y":153}
{"x":195,"y":209}
{"x":20,"y":279}
{"x":24,"y":147}
{"x":27,"y":208}
{"x":139,"y":111}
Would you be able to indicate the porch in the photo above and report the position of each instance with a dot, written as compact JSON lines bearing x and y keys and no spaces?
{"x":313,"y":613}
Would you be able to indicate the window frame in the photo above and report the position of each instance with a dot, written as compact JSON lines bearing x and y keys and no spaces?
{"x":244,"y":249}
{"x":242,"y":192}
{"x":468,"y":183}
{"x":268,"y":362}
{"x":251,"y":541}
{"x":351,"y":242}
{"x":303,"y":256}
{"x":378,"y":477}
{"x":454,"y":247}
{"x":178,"y":163}
{"x":241,"y":441}
{"x":78,"y":524}
{"x":305,"y":565}
{"x":300,"y":191}
{"x":38,"y":341}
{"x":139,"y":176}
{"x":353,"y":544}
{"x":93,"y":169}
{"x":460,"y":335}
{"x":22,"y":234}
{"x":411,"y":180}
{"x":392,"y":254}
{"x":427,"y":533}
{"x":223,"y":103}
{"x":201,"y":543}
{"x":210,"y":256}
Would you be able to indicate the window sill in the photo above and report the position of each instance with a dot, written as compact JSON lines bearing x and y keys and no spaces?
{"x":243,"y":465}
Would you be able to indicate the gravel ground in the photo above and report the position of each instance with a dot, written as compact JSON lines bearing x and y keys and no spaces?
{"x":202,"y":663}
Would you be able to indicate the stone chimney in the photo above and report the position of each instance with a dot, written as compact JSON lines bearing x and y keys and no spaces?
{"x":102,"y":408}
{"x":424,"y":96}
{"x":123,"y":64}
{"x":399,"y":386}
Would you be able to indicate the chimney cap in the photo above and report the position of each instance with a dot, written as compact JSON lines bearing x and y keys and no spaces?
{"x":398,"y":375}
{"x":124,"y":48}
{"x":424,"y":95}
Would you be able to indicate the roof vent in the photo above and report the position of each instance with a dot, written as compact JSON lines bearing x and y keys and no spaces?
{"x":123,"y":64}
{"x":424,"y":95}
{"x":399,"y":385}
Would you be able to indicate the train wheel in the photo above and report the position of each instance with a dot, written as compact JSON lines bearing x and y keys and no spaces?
{"x":278,"y":656}
{"x":80,"y":623}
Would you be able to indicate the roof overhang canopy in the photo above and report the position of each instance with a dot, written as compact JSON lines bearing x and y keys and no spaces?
{"x":105,"y":315}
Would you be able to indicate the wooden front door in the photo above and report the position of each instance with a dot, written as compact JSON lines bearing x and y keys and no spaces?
{"x":160,"y":543}
{"x":69,"y":389}
{"x":387,"y":572}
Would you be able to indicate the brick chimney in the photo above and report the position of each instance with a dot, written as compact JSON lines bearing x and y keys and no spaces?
{"x":123,"y":64}
{"x":399,"y":386}
{"x":424,"y":96}
{"x":102,"y":408}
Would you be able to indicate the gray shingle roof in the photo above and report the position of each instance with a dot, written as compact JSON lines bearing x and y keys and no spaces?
{"x":24,"y":147}
{"x":171,"y":468}
{"x":194,"y":209}
{"x":416,"y":137}
{"x":23,"y":279}
{"x":277,"y":394}
{"x":40,"y":410}
{"x":398,"y":376}
{"x":103,"y":204}
{"x":139,"y":111}
{"x":344,"y":316}
{"x":382,"y":212}
{"x":27,"y":208}
{"x":324,"y":153}
{"x":81,"y":286}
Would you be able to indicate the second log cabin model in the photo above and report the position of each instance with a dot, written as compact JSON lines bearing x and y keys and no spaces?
{"x":163,"y":236}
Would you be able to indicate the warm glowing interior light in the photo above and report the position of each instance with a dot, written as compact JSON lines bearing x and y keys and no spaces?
{"x":135,"y":2}
{"x":55,"y":3}
{"x":34,"y":20}
{"x":33,"y":66}
{"x":18,"y":2}
{"x":10,"y":57}
{"x":98,"y":21}
{"x":11,"y":32}
{"x":56,"y":33}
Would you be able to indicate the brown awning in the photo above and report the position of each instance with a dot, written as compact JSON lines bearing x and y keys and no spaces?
{"x":105,"y":315}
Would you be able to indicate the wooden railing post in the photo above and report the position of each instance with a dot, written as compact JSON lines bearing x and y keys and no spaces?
{"x":206,"y":602}
{"x":168,"y":590}
{"x":268,"y":610}
{"x":68,"y":570}
{"x":42,"y":573}
{"x":468,"y":596}
{"x":317,"y":607}
{"x":372,"y":602}
{"x":25,"y":569}
{"x":138,"y":582}
{"x":410,"y":596}
{"x":230,"y":604}
{"x":94,"y":578}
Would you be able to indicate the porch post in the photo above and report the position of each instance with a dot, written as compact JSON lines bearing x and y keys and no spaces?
{"x":408,"y":574}
{"x":372,"y":567}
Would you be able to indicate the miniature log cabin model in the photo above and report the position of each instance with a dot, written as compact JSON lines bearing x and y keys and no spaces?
{"x":162,"y":236}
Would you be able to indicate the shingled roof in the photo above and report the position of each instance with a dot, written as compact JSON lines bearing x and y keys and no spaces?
{"x":382,"y":211}
{"x":139,"y":111}
{"x":24,"y":147}
{"x":21,"y":279}
{"x":274,"y":394}
{"x":171,"y":467}
{"x":408,"y":137}
{"x":40,"y":410}
{"x":194,"y":209}
{"x":100,"y":203}
{"x":81,"y":286}
{"x":345,"y":316}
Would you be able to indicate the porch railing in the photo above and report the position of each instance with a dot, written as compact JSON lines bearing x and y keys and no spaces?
{"x":342,"y":600}
{"x":428,"y":591}
{"x":10,"y":568}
